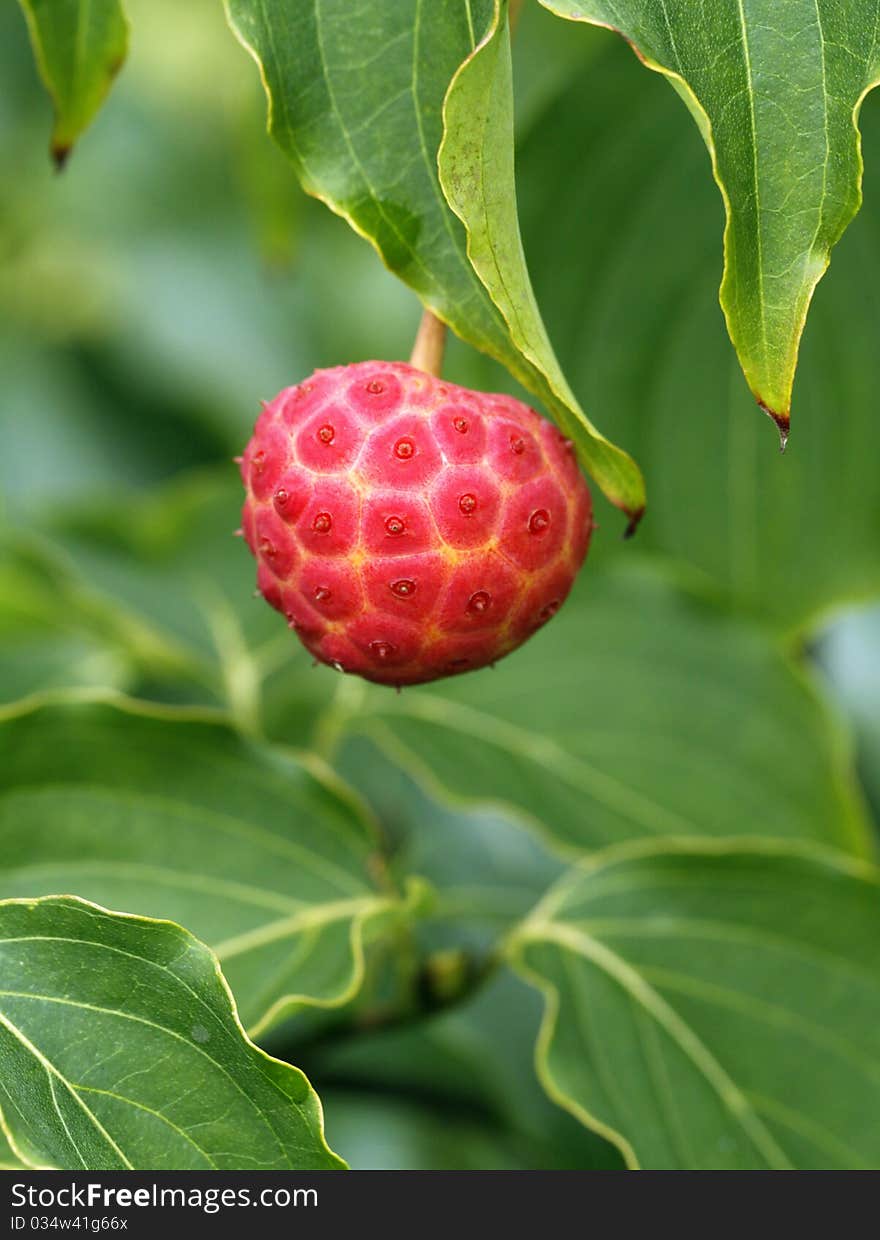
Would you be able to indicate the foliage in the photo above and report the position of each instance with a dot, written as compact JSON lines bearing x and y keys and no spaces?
{"x":75,"y":979}
{"x":79,"y":47}
{"x":656,"y":823}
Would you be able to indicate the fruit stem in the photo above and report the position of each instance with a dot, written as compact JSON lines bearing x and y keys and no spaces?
{"x":430,"y":344}
{"x":514,"y":10}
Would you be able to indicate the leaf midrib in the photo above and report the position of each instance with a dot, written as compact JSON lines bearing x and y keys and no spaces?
{"x":762,"y":1011}
{"x":306,"y":919}
{"x":677,"y":1029}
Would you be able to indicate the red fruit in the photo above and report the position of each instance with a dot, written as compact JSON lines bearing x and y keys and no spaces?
{"x":407,"y":528}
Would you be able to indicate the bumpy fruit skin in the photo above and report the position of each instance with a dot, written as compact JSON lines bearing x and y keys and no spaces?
{"x":407,"y":528}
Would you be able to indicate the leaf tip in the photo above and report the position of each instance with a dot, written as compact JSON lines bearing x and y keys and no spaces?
{"x":60,"y":152}
{"x":782,"y":420}
{"x":635,"y":517}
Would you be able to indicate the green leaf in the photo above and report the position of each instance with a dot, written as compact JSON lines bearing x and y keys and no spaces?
{"x":633,"y":307}
{"x":356,"y":100}
{"x":80,"y":46}
{"x":642,"y":709}
{"x":477,"y":176}
{"x":121,"y":1049}
{"x":776,"y":91}
{"x":171,"y":814}
{"x":714,"y":1006}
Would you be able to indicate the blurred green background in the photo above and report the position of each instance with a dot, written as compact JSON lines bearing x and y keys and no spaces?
{"x":175,"y":274}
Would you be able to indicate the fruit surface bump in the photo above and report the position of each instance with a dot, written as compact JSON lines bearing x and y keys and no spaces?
{"x":408,"y":528}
